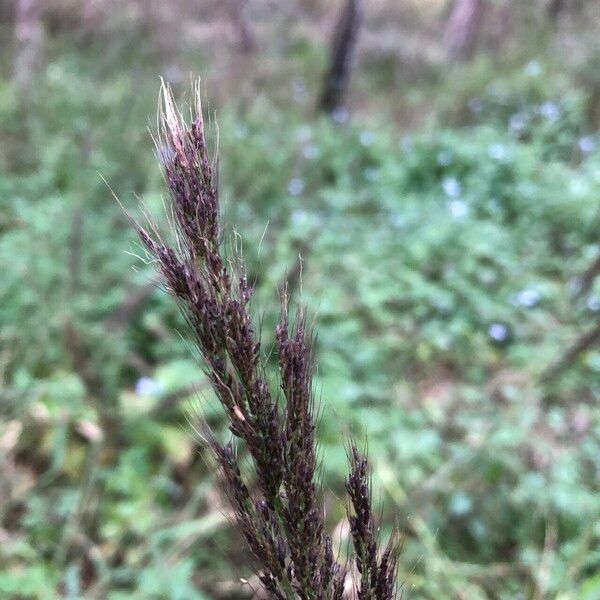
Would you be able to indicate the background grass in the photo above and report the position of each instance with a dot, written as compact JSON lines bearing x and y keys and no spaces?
{"x":443,"y":227}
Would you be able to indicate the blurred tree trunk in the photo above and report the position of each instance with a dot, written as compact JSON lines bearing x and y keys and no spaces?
{"x":245,"y":38}
{"x":7,"y":12}
{"x":462,"y":28}
{"x":584,"y":342}
{"x":555,"y":7}
{"x":29,"y":39}
{"x":337,"y":76}
{"x":586,"y":280}
{"x":589,"y":78}
{"x":593,"y":111}
{"x":501,"y":24}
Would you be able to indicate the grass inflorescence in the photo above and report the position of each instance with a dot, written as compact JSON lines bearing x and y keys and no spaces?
{"x":281,"y":517}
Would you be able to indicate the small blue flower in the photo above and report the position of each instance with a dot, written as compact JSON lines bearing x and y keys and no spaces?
{"x":296,"y":186}
{"x":340,"y":114}
{"x":366,"y":138}
{"x":146,"y":386}
{"x":299,"y":217}
{"x":533,"y":69}
{"x":398,"y":221}
{"x":458,"y":209}
{"x":452,"y":187}
{"x":518,"y":122}
{"x":587,"y":144}
{"x":593,"y":303}
{"x":310,"y":151}
{"x":497,"y":151}
{"x":550,"y":110}
{"x":528,"y":298}
{"x":498,"y":332}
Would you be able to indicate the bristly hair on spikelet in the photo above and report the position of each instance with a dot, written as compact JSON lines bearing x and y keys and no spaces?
{"x":281,"y":517}
{"x":377,"y":574}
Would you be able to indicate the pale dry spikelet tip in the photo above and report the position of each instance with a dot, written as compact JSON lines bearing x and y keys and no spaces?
{"x":197,"y":112}
{"x":170,"y":120}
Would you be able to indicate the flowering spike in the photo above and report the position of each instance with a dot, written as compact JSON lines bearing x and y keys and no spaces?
{"x":282,"y":521}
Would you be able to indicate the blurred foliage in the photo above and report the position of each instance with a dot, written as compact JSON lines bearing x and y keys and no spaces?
{"x":440,"y":261}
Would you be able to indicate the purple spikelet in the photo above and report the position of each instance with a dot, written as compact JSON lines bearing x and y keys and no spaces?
{"x":377,"y":576}
{"x":282,"y":517}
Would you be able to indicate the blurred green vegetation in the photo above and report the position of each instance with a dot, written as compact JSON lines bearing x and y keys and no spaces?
{"x":442,"y":227}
